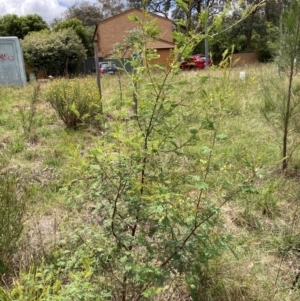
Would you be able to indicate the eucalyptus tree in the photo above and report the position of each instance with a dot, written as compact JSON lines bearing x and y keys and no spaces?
{"x":111,"y":8}
{"x":91,"y":13}
{"x":187,"y":10}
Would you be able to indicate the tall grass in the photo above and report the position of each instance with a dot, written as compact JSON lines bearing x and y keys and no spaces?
{"x":262,"y":221}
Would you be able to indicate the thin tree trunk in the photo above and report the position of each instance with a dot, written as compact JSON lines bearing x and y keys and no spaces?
{"x":249,"y":34}
{"x":280,"y":29}
{"x":286,"y":119}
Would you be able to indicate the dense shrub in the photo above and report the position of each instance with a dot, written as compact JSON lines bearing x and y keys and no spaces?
{"x":56,"y":53}
{"x":76,"y":102}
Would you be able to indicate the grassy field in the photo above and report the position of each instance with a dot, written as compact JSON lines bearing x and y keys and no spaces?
{"x":260,"y":217}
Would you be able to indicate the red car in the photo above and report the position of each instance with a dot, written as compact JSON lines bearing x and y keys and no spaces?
{"x":196,"y":61}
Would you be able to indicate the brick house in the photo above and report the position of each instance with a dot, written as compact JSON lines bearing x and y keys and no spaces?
{"x":111,"y":31}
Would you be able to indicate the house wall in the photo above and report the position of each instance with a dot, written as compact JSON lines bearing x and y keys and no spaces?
{"x":111,"y":31}
{"x":164,"y":57}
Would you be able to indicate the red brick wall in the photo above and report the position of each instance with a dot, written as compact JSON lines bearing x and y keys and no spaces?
{"x":112,"y":30}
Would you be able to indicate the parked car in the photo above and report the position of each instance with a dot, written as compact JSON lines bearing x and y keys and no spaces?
{"x":108,"y":68}
{"x":196,"y":61}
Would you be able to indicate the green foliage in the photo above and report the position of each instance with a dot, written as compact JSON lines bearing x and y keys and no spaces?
{"x":31,"y":23}
{"x":10,"y":25}
{"x":261,"y":220}
{"x":91,"y":14}
{"x":56,"y":53}
{"x":12,"y":214}
{"x":282,"y":94}
{"x":80,"y":30}
{"x":268,"y":203}
{"x":250,"y":28}
{"x":76,"y":102}
{"x":17,"y":145}
{"x":246,"y":30}
{"x":186,"y":11}
{"x":4,"y":296}
{"x":69,"y":277}
{"x":155,"y":201}
{"x":28,"y":116}
{"x":155,"y":195}
{"x":288,"y":54}
{"x":133,"y":41}
{"x":13,"y":25}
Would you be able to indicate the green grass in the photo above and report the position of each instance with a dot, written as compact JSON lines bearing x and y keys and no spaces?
{"x":263,"y":222}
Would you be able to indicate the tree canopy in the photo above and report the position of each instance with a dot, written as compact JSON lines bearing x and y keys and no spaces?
{"x":250,"y":27}
{"x":90,"y":14}
{"x":13,"y":25}
{"x":185,"y":10}
{"x":80,"y":30}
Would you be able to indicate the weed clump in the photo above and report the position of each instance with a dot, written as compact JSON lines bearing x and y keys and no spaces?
{"x":12,"y":214}
{"x":76,"y":102}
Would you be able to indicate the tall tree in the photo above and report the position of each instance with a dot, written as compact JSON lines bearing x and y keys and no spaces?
{"x":80,"y":30}
{"x":10,"y":25}
{"x":13,"y":25}
{"x":111,"y":8}
{"x":89,"y":14}
{"x":163,"y":7}
{"x":255,"y":24}
{"x":32,"y":22}
{"x":195,"y":8}
{"x":186,"y":10}
{"x":272,"y":11}
{"x":136,"y":3}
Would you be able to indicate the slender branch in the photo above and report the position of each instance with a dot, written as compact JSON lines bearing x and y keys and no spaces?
{"x":195,"y":228}
{"x":124,"y":290}
{"x":120,"y":189}
{"x":192,"y":232}
{"x":206,"y":174}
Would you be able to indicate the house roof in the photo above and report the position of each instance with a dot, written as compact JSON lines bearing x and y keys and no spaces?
{"x":160,"y":44}
{"x":126,"y":12}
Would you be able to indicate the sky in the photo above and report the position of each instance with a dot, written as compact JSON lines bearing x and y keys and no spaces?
{"x":47,"y":9}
